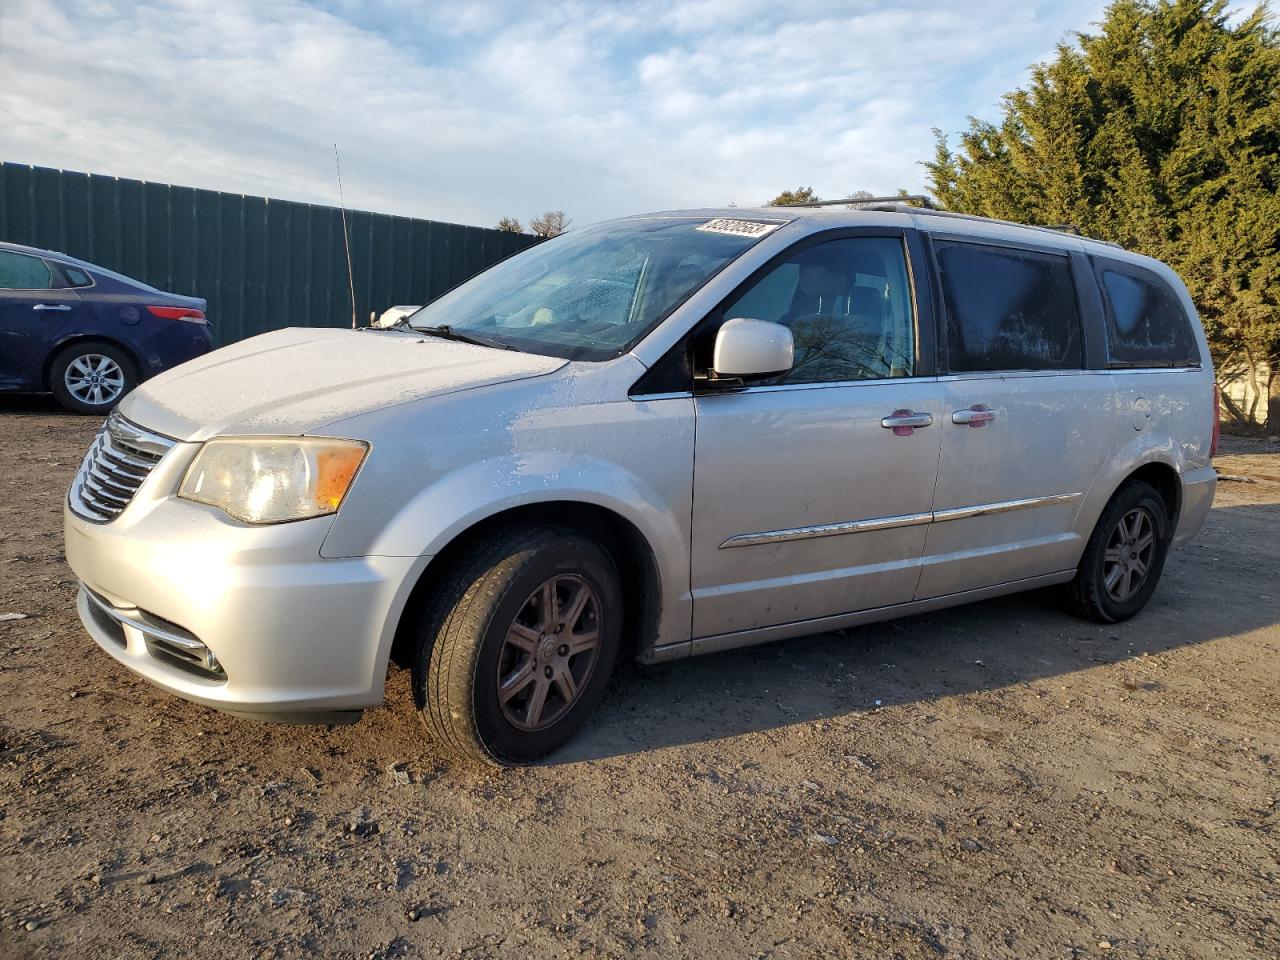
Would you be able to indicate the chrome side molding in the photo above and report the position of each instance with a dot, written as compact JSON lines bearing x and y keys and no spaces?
{"x":826,"y":530}
{"x":1005,"y":506}
{"x":888,"y":523}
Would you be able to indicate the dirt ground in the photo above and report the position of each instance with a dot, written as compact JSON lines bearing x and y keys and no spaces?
{"x":998,"y":780}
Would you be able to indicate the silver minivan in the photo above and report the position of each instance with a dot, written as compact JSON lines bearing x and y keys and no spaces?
{"x":656,"y":437}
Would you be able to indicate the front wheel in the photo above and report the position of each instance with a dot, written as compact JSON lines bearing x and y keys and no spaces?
{"x":517,"y":647}
{"x":1124,"y":558}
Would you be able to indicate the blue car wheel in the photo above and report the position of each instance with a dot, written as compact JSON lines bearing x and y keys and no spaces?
{"x":91,"y":377}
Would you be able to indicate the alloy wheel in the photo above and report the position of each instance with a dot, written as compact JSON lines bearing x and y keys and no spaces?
{"x":94,"y":379}
{"x":549,"y":652}
{"x":1128,"y":556}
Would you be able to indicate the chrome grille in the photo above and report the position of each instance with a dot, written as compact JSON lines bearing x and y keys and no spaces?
{"x":121,"y":457}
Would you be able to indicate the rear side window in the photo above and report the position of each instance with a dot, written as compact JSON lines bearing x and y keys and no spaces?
{"x":21,"y":272}
{"x":1146,"y":326}
{"x":1009,"y":309}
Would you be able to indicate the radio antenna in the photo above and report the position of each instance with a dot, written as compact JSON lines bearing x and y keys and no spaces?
{"x":346,"y":237}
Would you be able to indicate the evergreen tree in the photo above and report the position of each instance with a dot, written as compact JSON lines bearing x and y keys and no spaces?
{"x":789,"y":197}
{"x":1161,"y":132}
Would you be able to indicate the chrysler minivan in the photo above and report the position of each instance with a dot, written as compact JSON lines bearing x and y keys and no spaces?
{"x":659,"y":436}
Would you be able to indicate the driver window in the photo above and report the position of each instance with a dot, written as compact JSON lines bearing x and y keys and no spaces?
{"x":848,"y":304}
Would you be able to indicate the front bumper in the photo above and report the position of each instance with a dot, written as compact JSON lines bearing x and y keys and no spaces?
{"x":291,"y":635}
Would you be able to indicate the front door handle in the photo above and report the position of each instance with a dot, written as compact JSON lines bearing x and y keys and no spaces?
{"x":904,"y":422}
{"x":61,"y":307}
{"x":979,"y":415}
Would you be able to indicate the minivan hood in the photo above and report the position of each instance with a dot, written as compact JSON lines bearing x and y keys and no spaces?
{"x":291,"y":381}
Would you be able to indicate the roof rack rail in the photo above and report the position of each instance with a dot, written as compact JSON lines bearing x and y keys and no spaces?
{"x":930,"y":208}
{"x":1069,"y":228}
{"x":926,"y":203}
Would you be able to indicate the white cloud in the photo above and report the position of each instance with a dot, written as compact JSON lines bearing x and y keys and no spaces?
{"x":471,"y":111}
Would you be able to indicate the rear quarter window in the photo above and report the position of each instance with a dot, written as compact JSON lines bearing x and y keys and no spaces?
{"x":76,"y":277}
{"x":1146,"y":325}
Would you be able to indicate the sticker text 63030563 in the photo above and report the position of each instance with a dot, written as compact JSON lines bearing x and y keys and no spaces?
{"x":739,"y":228}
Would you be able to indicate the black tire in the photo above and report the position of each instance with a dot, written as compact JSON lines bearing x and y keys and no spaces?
{"x":1089,"y":595}
{"x":112,"y":390}
{"x":469,"y":640}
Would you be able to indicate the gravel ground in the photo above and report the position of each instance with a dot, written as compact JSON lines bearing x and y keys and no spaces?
{"x":998,"y":780}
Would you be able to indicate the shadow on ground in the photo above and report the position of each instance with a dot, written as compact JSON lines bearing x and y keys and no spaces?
{"x":31,"y":404}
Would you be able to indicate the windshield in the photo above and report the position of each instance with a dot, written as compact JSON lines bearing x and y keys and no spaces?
{"x":593,"y":293}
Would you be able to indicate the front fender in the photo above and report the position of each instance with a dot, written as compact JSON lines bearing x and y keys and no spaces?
{"x":436,"y":472}
{"x":430,"y":521}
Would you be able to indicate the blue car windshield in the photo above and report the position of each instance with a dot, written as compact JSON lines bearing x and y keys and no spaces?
{"x":592,"y":294}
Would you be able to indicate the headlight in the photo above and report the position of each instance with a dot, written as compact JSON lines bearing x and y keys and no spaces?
{"x":273,"y":479}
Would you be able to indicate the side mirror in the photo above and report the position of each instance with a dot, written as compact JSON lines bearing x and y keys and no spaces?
{"x":747,"y":348}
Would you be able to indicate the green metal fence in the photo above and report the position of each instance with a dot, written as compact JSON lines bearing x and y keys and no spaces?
{"x":262,"y":264}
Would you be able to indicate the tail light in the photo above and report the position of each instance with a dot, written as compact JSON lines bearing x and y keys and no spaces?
{"x":179,"y":313}
{"x":1217,"y":421}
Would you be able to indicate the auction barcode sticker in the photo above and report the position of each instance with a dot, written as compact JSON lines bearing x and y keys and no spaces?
{"x":739,"y":228}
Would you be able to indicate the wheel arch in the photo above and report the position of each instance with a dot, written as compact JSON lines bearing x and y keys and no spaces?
{"x":1167,"y":482}
{"x":622,"y":539}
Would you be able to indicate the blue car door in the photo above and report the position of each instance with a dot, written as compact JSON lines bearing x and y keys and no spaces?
{"x":33,"y":311}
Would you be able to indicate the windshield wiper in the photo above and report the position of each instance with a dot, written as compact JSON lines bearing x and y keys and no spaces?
{"x":446,"y":332}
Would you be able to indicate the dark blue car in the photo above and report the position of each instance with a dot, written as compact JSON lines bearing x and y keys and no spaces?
{"x":86,"y":334}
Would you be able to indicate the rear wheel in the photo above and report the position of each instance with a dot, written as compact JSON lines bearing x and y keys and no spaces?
{"x":1124,"y":558}
{"x":516,"y":649}
{"x":91,"y":377}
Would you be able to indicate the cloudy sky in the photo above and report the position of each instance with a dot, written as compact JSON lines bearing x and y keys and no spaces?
{"x":470,"y":110}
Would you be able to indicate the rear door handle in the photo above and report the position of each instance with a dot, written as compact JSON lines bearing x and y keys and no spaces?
{"x":904,"y":422}
{"x":62,"y":307}
{"x":979,"y":415}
